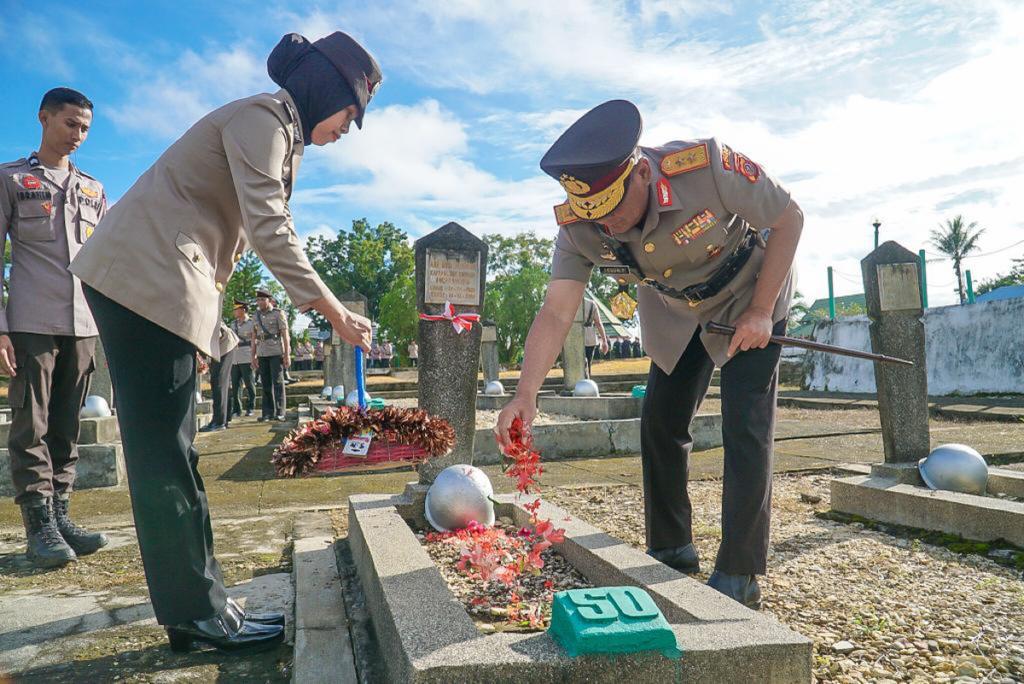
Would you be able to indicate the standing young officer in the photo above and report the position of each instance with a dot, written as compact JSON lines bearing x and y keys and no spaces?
{"x":241,"y":368}
{"x":48,"y":208}
{"x":175,"y":237}
{"x":271,"y":354}
{"x":683,"y":220}
{"x":220,"y":380}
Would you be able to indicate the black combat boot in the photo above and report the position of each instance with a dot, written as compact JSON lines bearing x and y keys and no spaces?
{"x":81,"y":540}
{"x":46,"y":548}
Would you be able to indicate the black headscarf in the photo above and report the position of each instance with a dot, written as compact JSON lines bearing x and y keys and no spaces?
{"x":318,"y":88}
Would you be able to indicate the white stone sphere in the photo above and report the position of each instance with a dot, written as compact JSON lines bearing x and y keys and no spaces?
{"x":338,"y":393}
{"x":327,"y":391}
{"x":954,"y":468}
{"x":352,"y":400}
{"x":494,"y":389}
{"x":586,"y":388}
{"x":95,"y":407}
{"x":460,"y":494}
{"x":199,"y":396}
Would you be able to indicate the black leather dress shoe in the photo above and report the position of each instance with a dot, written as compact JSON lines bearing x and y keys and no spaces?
{"x":212,"y":427}
{"x":221,"y":634}
{"x":238,"y":616}
{"x":742,"y":588}
{"x":681,"y":558}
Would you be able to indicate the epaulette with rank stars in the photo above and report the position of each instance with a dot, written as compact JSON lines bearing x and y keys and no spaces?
{"x":564,"y":215}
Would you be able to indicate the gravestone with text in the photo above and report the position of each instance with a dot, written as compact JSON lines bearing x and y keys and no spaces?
{"x":451,"y":266}
{"x":342,"y":370}
{"x":489,"y":351}
{"x":893,"y":298}
{"x":574,"y":362}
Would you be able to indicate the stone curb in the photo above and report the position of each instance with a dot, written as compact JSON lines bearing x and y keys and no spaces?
{"x":997,"y":414}
{"x":323,"y":647}
{"x":982,"y":518}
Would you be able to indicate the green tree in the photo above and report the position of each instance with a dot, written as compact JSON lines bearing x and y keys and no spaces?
{"x":1014,"y":277}
{"x":366,"y":259}
{"x":398,"y":319}
{"x":246,"y":278}
{"x":956,"y":240}
{"x":518,"y":273}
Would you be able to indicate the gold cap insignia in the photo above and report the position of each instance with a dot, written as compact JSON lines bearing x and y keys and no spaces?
{"x":573,"y":186}
{"x":604,"y":201}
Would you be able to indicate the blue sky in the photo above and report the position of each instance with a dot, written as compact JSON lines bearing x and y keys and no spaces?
{"x":904,"y":110}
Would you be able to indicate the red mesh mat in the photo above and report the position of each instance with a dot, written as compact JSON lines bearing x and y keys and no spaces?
{"x":382,"y":454}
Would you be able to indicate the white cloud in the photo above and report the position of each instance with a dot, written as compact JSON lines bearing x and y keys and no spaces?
{"x":180,"y":94}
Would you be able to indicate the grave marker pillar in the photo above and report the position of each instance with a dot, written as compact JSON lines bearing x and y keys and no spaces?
{"x":574,"y":362}
{"x":489,"y":351}
{"x":342,"y":366}
{"x":451,"y":267}
{"x":893,"y":296}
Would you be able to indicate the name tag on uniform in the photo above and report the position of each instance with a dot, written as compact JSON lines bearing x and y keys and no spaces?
{"x":614,"y":270}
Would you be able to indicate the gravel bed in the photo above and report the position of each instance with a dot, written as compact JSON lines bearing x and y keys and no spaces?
{"x":878,"y":607}
{"x":489,"y":610}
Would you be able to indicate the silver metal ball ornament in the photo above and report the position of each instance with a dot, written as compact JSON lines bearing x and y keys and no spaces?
{"x":460,"y":494}
{"x":95,"y":407}
{"x":338,"y":393}
{"x":954,"y":468}
{"x":494,"y":389}
{"x":327,"y":392}
{"x":586,"y":388}
{"x":352,"y":400}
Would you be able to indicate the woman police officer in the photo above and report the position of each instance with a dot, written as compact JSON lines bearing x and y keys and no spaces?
{"x":154,"y":274}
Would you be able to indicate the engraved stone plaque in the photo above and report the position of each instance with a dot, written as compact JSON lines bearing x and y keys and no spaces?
{"x":452,"y":277}
{"x":898,"y":287}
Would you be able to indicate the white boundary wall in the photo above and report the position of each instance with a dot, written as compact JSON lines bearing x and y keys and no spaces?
{"x":972,"y":349}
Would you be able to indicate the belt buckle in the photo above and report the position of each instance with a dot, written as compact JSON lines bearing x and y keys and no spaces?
{"x":694,"y":302}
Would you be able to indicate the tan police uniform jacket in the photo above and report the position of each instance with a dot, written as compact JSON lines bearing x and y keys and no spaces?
{"x":176,"y":235}
{"x":227,"y":342}
{"x":704,"y":198}
{"x":244,"y":331}
{"x":270,"y":328}
{"x":48,"y":221}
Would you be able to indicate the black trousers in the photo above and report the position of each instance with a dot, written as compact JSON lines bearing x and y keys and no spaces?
{"x":46,"y":396}
{"x":588,"y":354}
{"x":220,"y":383}
{"x":748,"y":425}
{"x":156,"y":410}
{"x":241,"y":373}
{"x":272,"y":380}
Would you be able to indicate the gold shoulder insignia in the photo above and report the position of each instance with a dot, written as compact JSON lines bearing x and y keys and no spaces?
{"x":564,"y":215}
{"x":687,"y":159}
{"x":89,"y":192}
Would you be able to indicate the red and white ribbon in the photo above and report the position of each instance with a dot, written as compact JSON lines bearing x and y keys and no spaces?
{"x":461,"y":322}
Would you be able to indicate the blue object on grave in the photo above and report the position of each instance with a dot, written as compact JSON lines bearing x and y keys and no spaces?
{"x":639,"y":391}
{"x":610,"y":620}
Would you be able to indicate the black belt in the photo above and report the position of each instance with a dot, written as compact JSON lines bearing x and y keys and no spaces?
{"x":694,"y":294}
{"x":245,"y":344}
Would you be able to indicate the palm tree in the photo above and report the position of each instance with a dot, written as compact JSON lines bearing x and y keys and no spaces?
{"x":956,"y":241}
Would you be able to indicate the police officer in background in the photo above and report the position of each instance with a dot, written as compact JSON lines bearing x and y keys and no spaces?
{"x":682,"y":220}
{"x":271,"y":354}
{"x":241,"y":360}
{"x":48,"y":208}
{"x":176,"y":236}
{"x":220,"y":380}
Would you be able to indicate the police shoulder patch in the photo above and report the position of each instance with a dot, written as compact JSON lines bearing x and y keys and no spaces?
{"x":687,"y":159}
{"x":564,"y":215}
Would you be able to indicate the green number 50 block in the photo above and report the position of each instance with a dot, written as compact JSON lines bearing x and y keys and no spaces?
{"x":610,"y":620}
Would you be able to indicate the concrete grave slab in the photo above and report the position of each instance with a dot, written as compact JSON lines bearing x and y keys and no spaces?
{"x":982,"y":518}
{"x":605,"y":407}
{"x":99,"y":465}
{"x":433,"y":639}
